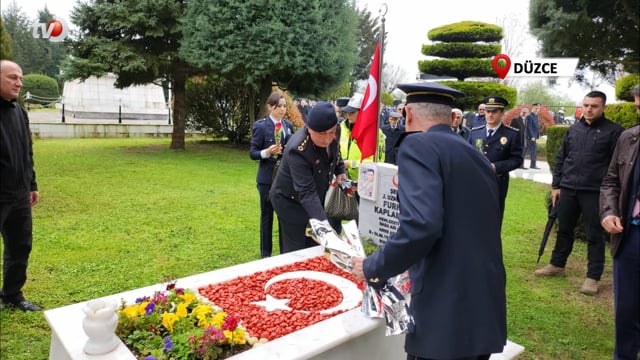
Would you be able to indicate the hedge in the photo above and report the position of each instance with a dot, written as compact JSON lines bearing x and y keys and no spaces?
{"x":624,"y":114}
{"x":466,"y":31}
{"x":555,"y":134}
{"x":458,"y":68}
{"x":461,"y":50}
{"x":42,"y":88}
{"x":624,"y":86}
{"x":476,"y":91}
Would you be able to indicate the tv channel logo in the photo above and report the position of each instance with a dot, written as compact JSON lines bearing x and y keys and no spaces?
{"x":55,"y":30}
{"x":504,"y":66}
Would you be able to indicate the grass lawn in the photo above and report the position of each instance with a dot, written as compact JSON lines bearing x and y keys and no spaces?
{"x":118,"y":214}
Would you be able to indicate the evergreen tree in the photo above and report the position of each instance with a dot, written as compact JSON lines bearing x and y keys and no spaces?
{"x":138,"y":41}
{"x":305,"y":47}
{"x":604,"y":35}
{"x":5,"y":43}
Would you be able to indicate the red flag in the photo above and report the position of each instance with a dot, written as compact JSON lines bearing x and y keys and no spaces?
{"x":365,"y":130}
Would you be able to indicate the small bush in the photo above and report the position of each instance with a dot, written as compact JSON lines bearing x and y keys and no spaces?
{"x":624,"y":114}
{"x":466,"y":31}
{"x":555,"y":134}
{"x":461,"y":50}
{"x":42,"y":89}
{"x":458,"y":68}
{"x":624,"y":86}
{"x":476,"y":91}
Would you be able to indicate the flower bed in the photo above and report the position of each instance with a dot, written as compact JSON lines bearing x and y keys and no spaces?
{"x":176,"y":325}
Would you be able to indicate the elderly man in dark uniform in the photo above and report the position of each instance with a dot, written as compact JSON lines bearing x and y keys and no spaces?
{"x":500,"y":143}
{"x":392,"y":131}
{"x":458,"y":299}
{"x":310,"y":161}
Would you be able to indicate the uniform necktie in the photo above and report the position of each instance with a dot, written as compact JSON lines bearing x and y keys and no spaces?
{"x":490,"y":132}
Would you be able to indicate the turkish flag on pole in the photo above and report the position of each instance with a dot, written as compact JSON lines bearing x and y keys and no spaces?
{"x":365,"y":130}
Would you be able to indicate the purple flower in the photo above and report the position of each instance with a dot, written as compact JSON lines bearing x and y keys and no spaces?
{"x":149,"y":308}
{"x":150,"y":357}
{"x":141,"y":299}
{"x":168,"y":344}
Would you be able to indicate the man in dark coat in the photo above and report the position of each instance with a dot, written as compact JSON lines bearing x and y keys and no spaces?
{"x":458,"y":280}
{"x":532,"y":133}
{"x":456,"y":125}
{"x":18,"y":188}
{"x":518,"y":123}
{"x":499,"y":143}
{"x":392,"y":131}
{"x":581,"y":164}
{"x":620,"y":214}
{"x":310,"y":161}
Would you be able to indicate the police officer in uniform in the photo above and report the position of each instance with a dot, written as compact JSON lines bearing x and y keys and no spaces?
{"x":310,"y":160}
{"x":499,"y":142}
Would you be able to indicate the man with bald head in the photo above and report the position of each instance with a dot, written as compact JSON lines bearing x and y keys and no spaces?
{"x":18,"y":188}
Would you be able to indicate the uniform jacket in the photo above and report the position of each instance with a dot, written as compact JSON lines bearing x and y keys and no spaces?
{"x":263,"y":136}
{"x":392,"y":136}
{"x":17,"y":176}
{"x":458,"y":280}
{"x":532,"y":126}
{"x":616,"y":192}
{"x":479,"y":120}
{"x":518,"y":123}
{"x":584,"y":155}
{"x":464,"y":132}
{"x":303,"y":178}
{"x":503,"y":148}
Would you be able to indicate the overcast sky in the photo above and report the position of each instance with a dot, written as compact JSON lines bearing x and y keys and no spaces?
{"x":407,"y":24}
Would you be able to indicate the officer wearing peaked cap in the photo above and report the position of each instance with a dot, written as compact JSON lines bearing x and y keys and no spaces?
{"x":442,"y":178}
{"x":310,"y":161}
{"x":500,"y":143}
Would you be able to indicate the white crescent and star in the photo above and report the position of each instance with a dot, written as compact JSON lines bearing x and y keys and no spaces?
{"x":373,"y":92}
{"x":351,"y":294}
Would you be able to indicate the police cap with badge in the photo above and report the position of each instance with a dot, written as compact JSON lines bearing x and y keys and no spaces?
{"x":495,"y":103}
{"x":430,"y":93}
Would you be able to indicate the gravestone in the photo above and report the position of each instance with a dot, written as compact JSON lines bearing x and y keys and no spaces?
{"x":378,"y":190}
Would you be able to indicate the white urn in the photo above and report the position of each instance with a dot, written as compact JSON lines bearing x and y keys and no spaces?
{"x":99,"y":324}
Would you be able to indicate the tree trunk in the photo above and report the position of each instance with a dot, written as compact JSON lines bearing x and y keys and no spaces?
{"x":179,"y":111}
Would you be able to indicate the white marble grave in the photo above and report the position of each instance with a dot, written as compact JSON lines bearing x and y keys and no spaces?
{"x":348,"y":336}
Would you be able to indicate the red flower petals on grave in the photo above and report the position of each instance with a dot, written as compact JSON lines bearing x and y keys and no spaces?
{"x":306,"y":298}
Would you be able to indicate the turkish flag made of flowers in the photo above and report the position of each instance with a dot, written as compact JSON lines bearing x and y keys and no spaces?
{"x":279,"y":301}
{"x":365,"y":130}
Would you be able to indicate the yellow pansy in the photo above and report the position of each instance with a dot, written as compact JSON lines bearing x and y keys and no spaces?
{"x":131,"y":311}
{"x":181,"y":311}
{"x":168,"y":319}
{"x":188,"y":297}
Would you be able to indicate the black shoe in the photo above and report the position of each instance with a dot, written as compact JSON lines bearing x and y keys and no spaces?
{"x":24,"y":305}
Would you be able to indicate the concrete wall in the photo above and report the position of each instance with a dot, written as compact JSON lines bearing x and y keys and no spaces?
{"x":50,"y":131}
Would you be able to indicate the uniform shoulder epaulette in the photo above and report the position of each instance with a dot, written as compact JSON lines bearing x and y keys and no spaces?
{"x":479,"y":127}
{"x":303,"y":143}
{"x":511,"y":127}
{"x":261,"y":120}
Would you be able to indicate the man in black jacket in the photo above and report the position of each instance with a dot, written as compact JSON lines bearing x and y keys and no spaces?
{"x":18,"y":188}
{"x":581,"y":164}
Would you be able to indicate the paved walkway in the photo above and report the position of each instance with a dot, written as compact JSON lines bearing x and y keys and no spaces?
{"x":55,"y":117}
{"x":542,"y":175}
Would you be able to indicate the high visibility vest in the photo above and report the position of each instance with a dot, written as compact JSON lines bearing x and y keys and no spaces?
{"x":349,"y":149}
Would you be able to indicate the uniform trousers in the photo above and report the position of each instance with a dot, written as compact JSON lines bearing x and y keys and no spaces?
{"x":532,"y":150}
{"x":16,"y":229}
{"x":266,"y":222}
{"x":572,"y":203}
{"x":626,"y":292}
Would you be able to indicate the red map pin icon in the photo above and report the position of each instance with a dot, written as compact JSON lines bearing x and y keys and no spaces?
{"x":501,"y":65}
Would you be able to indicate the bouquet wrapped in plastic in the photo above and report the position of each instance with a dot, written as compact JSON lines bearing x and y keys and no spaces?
{"x":391,"y":301}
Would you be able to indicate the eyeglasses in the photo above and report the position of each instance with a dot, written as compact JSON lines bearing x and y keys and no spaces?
{"x":480,"y":109}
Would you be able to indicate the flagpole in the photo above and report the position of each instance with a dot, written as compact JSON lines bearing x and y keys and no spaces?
{"x":379,"y":82}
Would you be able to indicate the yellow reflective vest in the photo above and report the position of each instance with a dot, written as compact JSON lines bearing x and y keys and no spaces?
{"x":350,"y":151}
